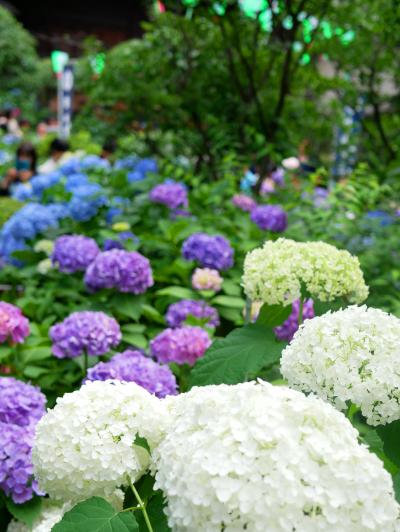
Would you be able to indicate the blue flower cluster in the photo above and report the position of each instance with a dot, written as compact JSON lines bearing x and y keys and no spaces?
{"x":140,"y":168}
{"x":26,"y":224}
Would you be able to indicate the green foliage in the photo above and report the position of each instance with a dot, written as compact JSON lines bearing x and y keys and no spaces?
{"x":19,"y":63}
{"x":7,"y":208}
{"x":27,"y":512}
{"x":238,"y":357}
{"x":96,"y":515}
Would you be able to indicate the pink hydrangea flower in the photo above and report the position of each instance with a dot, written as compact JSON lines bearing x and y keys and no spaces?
{"x":13,"y":324}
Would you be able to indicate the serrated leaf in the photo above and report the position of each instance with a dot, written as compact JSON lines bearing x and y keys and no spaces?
{"x":237,"y":357}
{"x":27,"y":512}
{"x":96,"y":515}
{"x":152,"y":313}
{"x":273,"y":315}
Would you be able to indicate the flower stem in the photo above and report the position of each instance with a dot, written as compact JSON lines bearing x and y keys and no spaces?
{"x":85,"y":363}
{"x":301,"y":304}
{"x":142,"y":507}
{"x":247,"y":315}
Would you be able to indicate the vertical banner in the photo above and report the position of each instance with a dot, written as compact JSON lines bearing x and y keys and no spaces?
{"x":65,"y":94}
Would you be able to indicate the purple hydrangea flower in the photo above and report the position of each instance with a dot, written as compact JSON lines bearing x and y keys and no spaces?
{"x":183,"y":345}
{"x":278,"y":176}
{"x":74,"y":253}
{"x":21,"y":407}
{"x":109,"y":244}
{"x":91,"y":332}
{"x":13,"y":324}
{"x":134,"y":366}
{"x":269,"y":217}
{"x":244,"y":202}
{"x":289,"y":327}
{"x":16,"y":469}
{"x":170,"y":193}
{"x":178,"y":312}
{"x":209,"y":251}
{"x":20,"y":403}
{"x":127,"y":271}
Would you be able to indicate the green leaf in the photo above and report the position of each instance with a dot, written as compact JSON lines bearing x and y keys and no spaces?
{"x":179,"y":292}
{"x":133,"y":328}
{"x":390,"y":435}
{"x":128,"y":305}
{"x":141,"y":442}
{"x":152,"y":313}
{"x":273,"y":315}
{"x":396,"y":486}
{"x":229,"y":301}
{"x":156,"y":514}
{"x":137,"y":340}
{"x":231,"y":288}
{"x":237,"y":357}
{"x":35,"y":354}
{"x":96,"y":515}
{"x":5,"y":352}
{"x":27,"y":512}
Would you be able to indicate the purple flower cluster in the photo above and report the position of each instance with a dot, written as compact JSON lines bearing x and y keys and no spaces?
{"x":178,"y":312}
{"x":74,"y":253}
{"x":21,"y":407}
{"x":127,"y":271}
{"x":91,"y":332}
{"x":209,"y":251}
{"x":244,"y":202}
{"x":269,"y":217}
{"x":289,"y":327}
{"x":13,"y":324}
{"x":171,"y":194}
{"x":278,"y":176}
{"x":183,"y":345}
{"x":20,"y":403}
{"x":134,"y":366}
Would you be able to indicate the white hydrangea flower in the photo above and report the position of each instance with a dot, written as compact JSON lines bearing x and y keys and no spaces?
{"x":276,"y":272}
{"x":50,"y":515}
{"x":84,"y":445}
{"x":259,"y":457}
{"x":349,"y":355}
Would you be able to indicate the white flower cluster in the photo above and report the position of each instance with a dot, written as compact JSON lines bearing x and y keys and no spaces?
{"x":276,"y":272}
{"x":84,"y":445}
{"x":259,"y":457}
{"x":50,"y":515}
{"x":349,"y":355}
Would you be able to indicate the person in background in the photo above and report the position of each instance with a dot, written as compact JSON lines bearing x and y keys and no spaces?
{"x":59,"y":154}
{"x":24,"y":169}
{"x":108,"y":149}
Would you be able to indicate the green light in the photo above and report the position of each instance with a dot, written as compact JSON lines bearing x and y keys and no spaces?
{"x":265,"y":20}
{"x":98,"y":62}
{"x":251,"y":8}
{"x":305,"y":59}
{"x":326,"y":30}
{"x":347,"y":37}
{"x":190,"y":3}
{"x":287,"y":23}
{"x":219,"y":8}
{"x":58,"y":60}
{"x":297,"y":46}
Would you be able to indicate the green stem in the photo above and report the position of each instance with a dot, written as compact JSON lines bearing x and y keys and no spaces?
{"x":85,"y":363}
{"x":247,"y":315}
{"x":142,"y":507}
{"x":301,"y":304}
